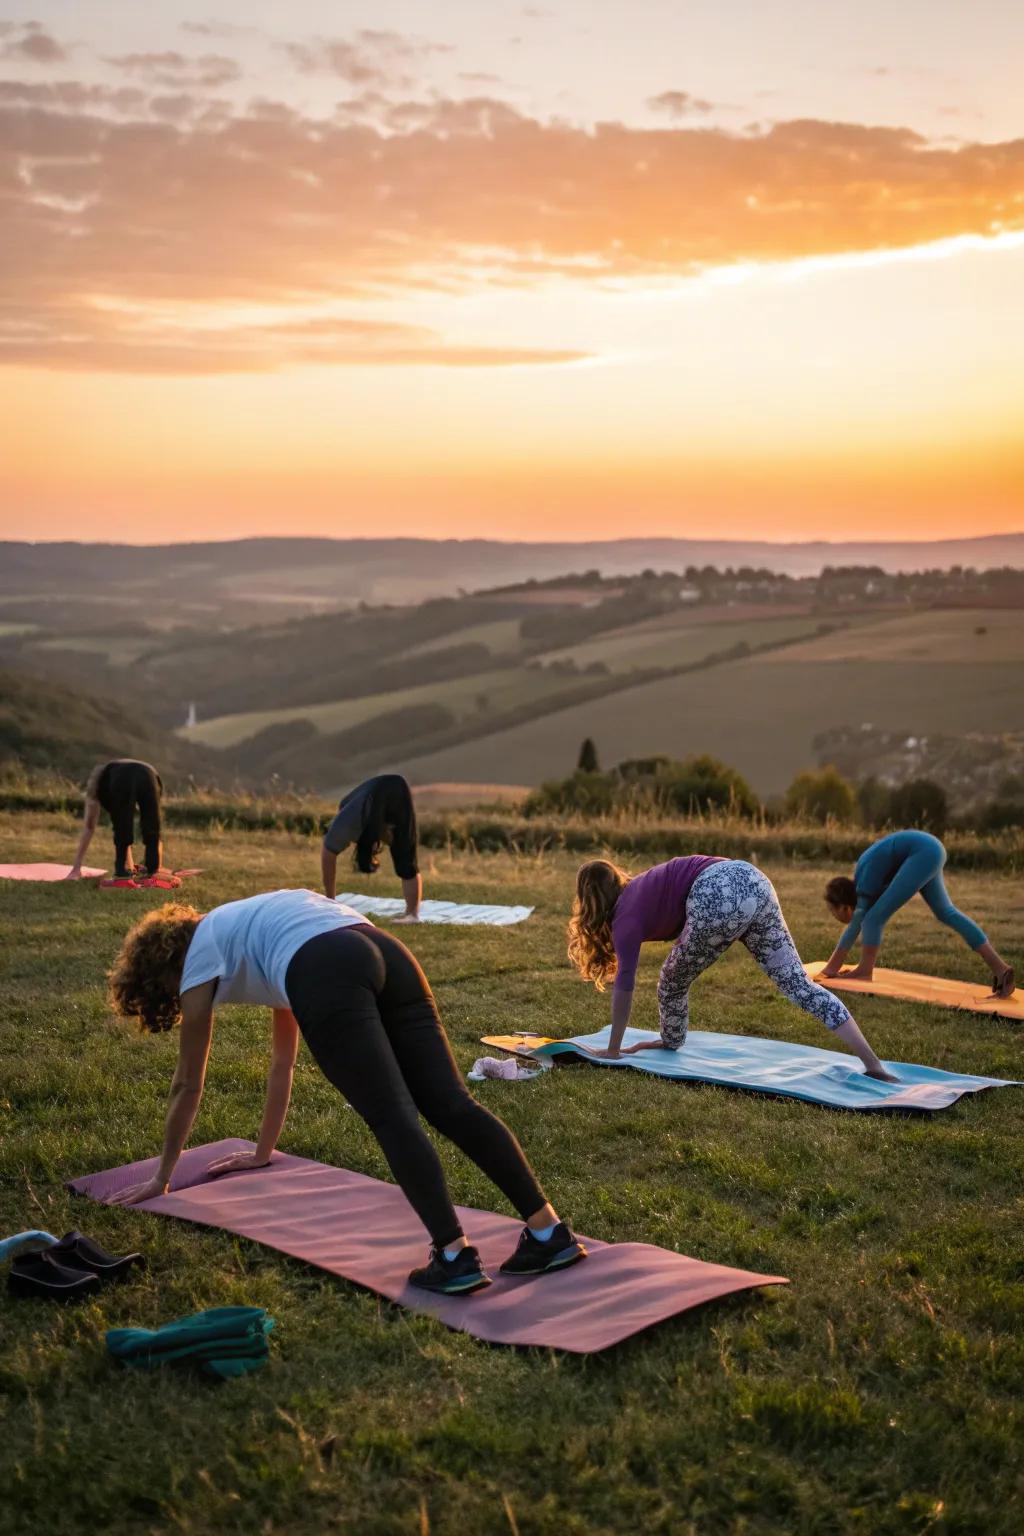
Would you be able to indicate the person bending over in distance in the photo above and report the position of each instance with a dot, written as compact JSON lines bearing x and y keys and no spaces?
{"x":377,"y":812}
{"x":888,"y":875}
{"x":365,"y":1009}
{"x":705,"y":904}
{"x":118,"y":788}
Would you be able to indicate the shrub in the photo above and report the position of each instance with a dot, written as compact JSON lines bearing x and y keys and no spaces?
{"x":874,"y":800}
{"x":821,"y":795}
{"x":701,"y":784}
{"x":920,"y":803}
{"x":593,"y":794}
{"x":999,"y":816}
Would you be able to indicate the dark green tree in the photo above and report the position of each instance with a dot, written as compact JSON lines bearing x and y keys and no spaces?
{"x":587,"y":761}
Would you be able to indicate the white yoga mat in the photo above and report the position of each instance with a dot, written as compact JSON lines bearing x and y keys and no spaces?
{"x":458,"y":912}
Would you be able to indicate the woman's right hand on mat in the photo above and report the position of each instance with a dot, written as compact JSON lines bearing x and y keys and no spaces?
{"x":74,"y":873}
{"x":136,"y":1193}
{"x":237,"y":1160}
{"x":882,"y":1076}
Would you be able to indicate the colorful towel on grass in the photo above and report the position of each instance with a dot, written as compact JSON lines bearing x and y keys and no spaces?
{"x":463,"y":913}
{"x":830,"y":1078}
{"x":223,"y":1341}
{"x":910,"y":987}
{"x":365,"y":1231}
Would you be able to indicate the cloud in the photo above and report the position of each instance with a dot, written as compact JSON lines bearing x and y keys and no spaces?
{"x":679,"y":104}
{"x":102,"y":338}
{"x":109,"y":210}
{"x":177,"y":70}
{"x":369,"y":58}
{"x":30,"y":42}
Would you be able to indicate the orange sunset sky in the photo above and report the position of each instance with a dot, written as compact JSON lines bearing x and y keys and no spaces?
{"x":729,"y":268}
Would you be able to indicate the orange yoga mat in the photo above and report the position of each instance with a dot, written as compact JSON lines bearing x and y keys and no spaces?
{"x":909,"y":987}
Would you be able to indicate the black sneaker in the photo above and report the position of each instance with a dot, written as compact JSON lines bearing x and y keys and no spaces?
{"x":451,"y":1277}
{"x":532,"y":1257}
{"x":75,"y":1251}
{"x":36,"y":1274}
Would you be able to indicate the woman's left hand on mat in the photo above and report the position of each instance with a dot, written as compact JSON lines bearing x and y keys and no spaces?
{"x":136,"y":1193}
{"x":236,"y":1160}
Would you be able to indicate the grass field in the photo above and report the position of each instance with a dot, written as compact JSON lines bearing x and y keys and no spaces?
{"x":880,"y":1393}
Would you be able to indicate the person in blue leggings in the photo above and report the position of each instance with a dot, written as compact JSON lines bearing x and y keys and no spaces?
{"x":888,"y":875}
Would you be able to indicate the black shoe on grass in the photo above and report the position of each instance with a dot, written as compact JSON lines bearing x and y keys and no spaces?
{"x":76,"y":1251}
{"x":36,"y":1274}
{"x":451,"y":1277}
{"x":532,"y":1257}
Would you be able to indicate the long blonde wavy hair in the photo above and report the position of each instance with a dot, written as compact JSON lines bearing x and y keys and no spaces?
{"x":599,"y":884}
{"x":146,"y":976}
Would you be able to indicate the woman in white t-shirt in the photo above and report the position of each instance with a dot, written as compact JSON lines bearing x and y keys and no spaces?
{"x":365,"y":1009}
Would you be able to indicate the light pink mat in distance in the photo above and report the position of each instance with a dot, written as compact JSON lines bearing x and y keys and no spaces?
{"x":43,"y":872}
{"x":365,"y":1231}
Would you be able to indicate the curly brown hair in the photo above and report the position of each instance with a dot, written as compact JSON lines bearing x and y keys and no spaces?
{"x":146,"y":975}
{"x":841,"y":892}
{"x":599,"y":884}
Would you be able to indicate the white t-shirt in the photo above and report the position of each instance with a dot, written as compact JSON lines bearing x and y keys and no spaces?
{"x":247,"y":945}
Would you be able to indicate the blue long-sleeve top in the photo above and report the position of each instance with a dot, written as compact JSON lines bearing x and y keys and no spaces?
{"x":876,"y":870}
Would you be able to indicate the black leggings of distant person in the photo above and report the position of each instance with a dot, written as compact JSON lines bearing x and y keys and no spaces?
{"x":120,"y":788}
{"x":378,"y":813}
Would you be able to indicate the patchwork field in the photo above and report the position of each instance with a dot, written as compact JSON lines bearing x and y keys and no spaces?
{"x":943,"y":670}
{"x":760,"y":715}
{"x":674,"y":643}
{"x":879,"y":1395}
{"x":502,"y":688}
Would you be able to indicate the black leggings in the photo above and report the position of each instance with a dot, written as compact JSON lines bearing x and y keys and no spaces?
{"x":126,"y":786}
{"x":366,"y":1012}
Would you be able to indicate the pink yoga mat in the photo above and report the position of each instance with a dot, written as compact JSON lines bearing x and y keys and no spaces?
{"x":43,"y":872}
{"x":365,"y":1231}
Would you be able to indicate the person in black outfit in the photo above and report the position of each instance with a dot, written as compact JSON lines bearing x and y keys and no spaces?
{"x":365,"y":1009}
{"x":377,"y":812}
{"x":119,"y":787}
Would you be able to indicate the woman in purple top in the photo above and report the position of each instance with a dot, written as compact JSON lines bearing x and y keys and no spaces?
{"x":705,"y":904}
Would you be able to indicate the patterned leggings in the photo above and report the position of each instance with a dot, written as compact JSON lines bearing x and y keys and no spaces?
{"x":730,"y":901}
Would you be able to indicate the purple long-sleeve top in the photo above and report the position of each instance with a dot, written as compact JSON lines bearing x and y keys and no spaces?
{"x":652,"y":906}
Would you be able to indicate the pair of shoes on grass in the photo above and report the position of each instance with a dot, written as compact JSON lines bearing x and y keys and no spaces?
{"x":464,"y":1273}
{"x":69,"y":1269}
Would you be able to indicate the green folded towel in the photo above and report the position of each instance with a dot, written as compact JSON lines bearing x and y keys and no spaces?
{"x":223,"y":1341}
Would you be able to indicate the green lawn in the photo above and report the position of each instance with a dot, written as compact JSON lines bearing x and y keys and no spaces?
{"x":879,"y":1393}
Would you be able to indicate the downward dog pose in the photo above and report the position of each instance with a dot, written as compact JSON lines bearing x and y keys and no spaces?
{"x":118,"y":788}
{"x":705,"y":904}
{"x":888,"y":875}
{"x":365,"y":1009}
{"x":376,"y":812}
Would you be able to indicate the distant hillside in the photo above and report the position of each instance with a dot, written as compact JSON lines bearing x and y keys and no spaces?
{"x":248,"y":580}
{"x":44,"y":726}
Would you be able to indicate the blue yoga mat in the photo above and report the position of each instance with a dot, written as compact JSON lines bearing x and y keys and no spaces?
{"x":832,"y":1078}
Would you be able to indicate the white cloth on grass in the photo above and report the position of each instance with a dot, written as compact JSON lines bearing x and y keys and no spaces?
{"x":455,"y":912}
{"x":509,"y":1070}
